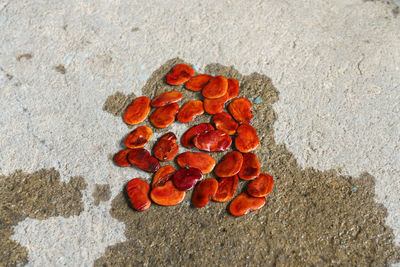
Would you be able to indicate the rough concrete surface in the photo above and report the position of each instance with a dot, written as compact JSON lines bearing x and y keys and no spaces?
{"x":334,"y":63}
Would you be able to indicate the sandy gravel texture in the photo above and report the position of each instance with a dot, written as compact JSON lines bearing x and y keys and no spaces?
{"x":335,"y":64}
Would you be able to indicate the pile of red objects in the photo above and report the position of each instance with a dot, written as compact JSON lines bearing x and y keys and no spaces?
{"x":169,"y":185}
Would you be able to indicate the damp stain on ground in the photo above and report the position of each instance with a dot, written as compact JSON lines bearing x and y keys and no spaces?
{"x":39,"y":195}
{"x":101,"y":193}
{"x":311,"y":218}
{"x":117,"y":103}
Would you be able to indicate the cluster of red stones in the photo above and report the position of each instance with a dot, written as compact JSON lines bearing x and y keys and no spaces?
{"x":169,"y":185}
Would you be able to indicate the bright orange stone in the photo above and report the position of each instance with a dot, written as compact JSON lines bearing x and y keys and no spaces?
{"x":139,"y":137}
{"x":250,"y":168}
{"x":187,"y":137}
{"x":244,"y":203}
{"x":246,"y":139}
{"x":240,"y":109}
{"x":121,"y":158}
{"x":166,"y":148}
{"x":203,"y":192}
{"x":179,"y":74}
{"x":224,"y":122}
{"x":196,"y":83}
{"x":164,"y":174}
{"x":213,"y":141}
{"x":167,"y":194}
{"x":190,"y":110}
{"x":216,"y":87}
{"x":261,"y":186}
{"x":166,"y":98}
{"x":226,"y":188}
{"x":137,"y":111}
{"x":162,"y":117}
{"x":202,"y":161}
{"x":216,"y":105}
{"x":142,"y":159}
{"x":230,"y":164}
{"x":233,"y":88}
{"x":138,"y":191}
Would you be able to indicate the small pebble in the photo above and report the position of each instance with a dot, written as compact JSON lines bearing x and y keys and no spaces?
{"x":258,"y":100}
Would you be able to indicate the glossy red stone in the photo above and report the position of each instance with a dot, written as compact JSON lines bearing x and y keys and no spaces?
{"x":261,"y":186}
{"x":138,"y":192}
{"x":230,"y":164}
{"x":224,"y":122}
{"x":216,"y":105}
{"x":244,"y":204}
{"x":121,"y":158}
{"x":187,"y":137}
{"x":196,"y":83}
{"x":139,"y":137}
{"x":179,"y":74}
{"x":212,"y":141}
{"x":164,"y":174}
{"x":137,"y":111}
{"x":166,"y":98}
{"x":142,"y":159}
{"x":186,"y":178}
{"x":246,"y":139}
{"x":226,"y":188}
{"x":250,"y":168}
{"x":166,"y":148}
{"x":203,"y":192}
{"x":216,"y":87}
{"x":190,"y":110}
{"x":167,"y":194}
{"x":233,"y":88}
{"x":240,"y":109}
{"x":202,"y":161}
{"x":163,"y":116}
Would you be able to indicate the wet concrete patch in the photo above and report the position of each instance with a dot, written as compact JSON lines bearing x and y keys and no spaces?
{"x":117,"y":103}
{"x":101,"y":193}
{"x":39,"y":195}
{"x":312,"y":218}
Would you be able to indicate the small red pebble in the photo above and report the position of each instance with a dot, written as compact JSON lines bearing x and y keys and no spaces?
{"x":240,"y":109}
{"x":233,"y":88}
{"x":186,"y":178}
{"x":203,"y":192}
{"x":226,"y":188}
{"x":216,"y":105}
{"x":142,"y":159}
{"x":179,"y":74}
{"x":167,"y":194}
{"x":246,"y":139}
{"x":244,"y":204}
{"x":139,"y":137}
{"x":197,"y":82}
{"x":166,"y":148}
{"x":202,"y":161}
{"x":163,"y":116}
{"x":166,"y":98}
{"x":190,"y":110}
{"x":121,"y":158}
{"x":163,"y":175}
{"x":224,"y":122}
{"x":187,"y":137}
{"x":137,"y":111}
{"x":138,"y":191}
{"x":250,"y":168}
{"x":216,"y":87}
{"x":230,"y":164}
{"x":213,"y":141}
{"x":261,"y":186}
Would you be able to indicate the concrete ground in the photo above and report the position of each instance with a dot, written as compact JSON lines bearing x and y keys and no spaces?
{"x":335,"y":64}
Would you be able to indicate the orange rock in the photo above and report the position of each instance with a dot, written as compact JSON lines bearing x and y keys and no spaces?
{"x":197,"y":82}
{"x":230,"y":164}
{"x":247,"y":138}
{"x":212,"y":141}
{"x":179,"y":74}
{"x":240,"y":109}
{"x":202,"y":161}
{"x":233,"y":88}
{"x":167,"y":194}
{"x":139,"y":137}
{"x":216,"y":87}
{"x":250,"y":168}
{"x":226,"y":188}
{"x":244,"y":203}
{"x":137,"y":111}
{"x":138,"y":191}
{"x":204,"y":191}
{"x":187,"y":137}
{"x":216,"y":105}
{"x":162,"y":117}
{"x":166,"y":98}
{"x":224,"y":122}
{"x":166,"y":148}
{"x":190,"y":110}
{"x":261,"y":186}
{"x":121,"y":158}
{"x":164,"y":174}
{"x":142,"y":159}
